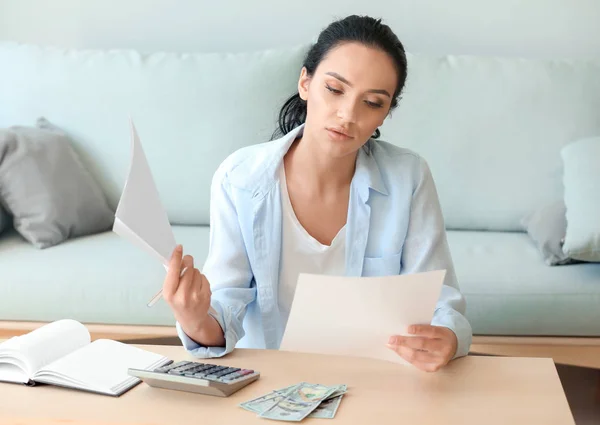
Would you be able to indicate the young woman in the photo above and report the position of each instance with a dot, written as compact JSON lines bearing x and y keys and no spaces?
{"x":324,"y":198}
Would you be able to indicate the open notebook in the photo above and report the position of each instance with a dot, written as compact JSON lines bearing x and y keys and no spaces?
{"x":60,"y":353}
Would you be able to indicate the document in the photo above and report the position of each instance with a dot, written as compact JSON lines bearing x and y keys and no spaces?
{"x":140,"y":217}
{"x":355,"y":316}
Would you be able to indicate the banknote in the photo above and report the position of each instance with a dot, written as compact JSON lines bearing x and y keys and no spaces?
{"x":327,"y":409}
{"x":341,"y":389}
{"x":263,"y":403}
{"x":299,"y":402}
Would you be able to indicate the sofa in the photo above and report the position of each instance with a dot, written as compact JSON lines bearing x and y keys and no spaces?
{"x":491,"y":129}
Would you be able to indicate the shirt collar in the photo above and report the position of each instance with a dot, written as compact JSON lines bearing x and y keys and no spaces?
{"x":259,"y":172}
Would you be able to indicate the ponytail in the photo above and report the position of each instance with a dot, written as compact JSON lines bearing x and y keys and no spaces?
{"x":291,"y":115}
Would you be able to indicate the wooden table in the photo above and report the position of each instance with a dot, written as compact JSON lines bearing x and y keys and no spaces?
{"x":471,"y":390}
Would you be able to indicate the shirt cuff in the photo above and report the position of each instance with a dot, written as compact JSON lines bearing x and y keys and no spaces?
{"x":204,"y":352}
{"x":458,"y":324}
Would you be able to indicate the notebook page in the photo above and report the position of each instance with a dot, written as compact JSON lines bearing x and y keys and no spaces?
{"x":100,"y":366}
{"x":10,"y":372}
{"x":46,"y":344}
{"x":13,"y":365}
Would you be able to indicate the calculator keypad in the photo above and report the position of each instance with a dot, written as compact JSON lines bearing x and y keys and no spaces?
{"x":206,"y":371}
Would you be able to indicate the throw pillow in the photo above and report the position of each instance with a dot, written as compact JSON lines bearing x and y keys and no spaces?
{"x":46,"y":189}
{"x":4,"y":219}
{"x":547,"y":227}
{"x":581,"y":180}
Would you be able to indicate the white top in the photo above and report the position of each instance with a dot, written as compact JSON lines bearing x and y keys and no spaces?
{"x":301,"y":253}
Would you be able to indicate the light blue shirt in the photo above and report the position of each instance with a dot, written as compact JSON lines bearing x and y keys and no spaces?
{"x":394,"y":226}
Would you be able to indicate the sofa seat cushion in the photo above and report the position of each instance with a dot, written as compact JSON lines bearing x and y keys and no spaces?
{"x":103,"y":279}
{"x":511,"y":291}
{"x":93,"y":279}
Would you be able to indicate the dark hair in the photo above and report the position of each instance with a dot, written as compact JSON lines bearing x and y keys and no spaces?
{"x":362,"y":29}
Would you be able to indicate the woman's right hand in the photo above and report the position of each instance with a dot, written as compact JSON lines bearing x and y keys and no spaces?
{"x":187,"y":295}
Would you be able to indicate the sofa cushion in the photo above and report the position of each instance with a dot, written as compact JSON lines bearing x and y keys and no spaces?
{"x":44,"y":186}
{"x":190,"y":110}
{"x":491,"y":130}
{"x":510,"y":291}
{"x":94,"y":279}
{"x":582,"y":199}
{"x":104,"y":279}
{"x":547,"y":227}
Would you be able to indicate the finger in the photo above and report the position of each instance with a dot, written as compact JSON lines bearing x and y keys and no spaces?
{"x":188,"y":262}
{"x":444,"y":335}
{"x":200,"y":290}
{"x":412,"y":355}
{"x":204,"y":285}
{"x":185,"y":280}
{"x":172,"y":278}
{"x":428,"y":367}
{"x":434,"y":346}
{"x":425,"y":330}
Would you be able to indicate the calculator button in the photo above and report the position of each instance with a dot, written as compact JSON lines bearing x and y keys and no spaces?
{"x":227,"y":371}
{"x":233,"y":376}
{"x":166,"y":367}
{"x":194,"y":370}
{"x":220,"y":369}
{"x":188,"y":367}
{"x":218,"y":374}
{"x":205,"y":371}
{"x":181,"y":367}
{"x":163,"y":369}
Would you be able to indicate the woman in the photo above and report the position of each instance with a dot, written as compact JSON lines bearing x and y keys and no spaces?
{"x":325,"y":198}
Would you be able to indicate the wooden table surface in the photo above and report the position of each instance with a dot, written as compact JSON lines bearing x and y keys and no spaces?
{"x":471,"y":390}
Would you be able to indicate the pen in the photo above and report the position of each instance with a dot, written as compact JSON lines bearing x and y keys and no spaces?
{"x":158,"y":295}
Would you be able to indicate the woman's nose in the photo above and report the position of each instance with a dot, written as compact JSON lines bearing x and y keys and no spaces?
{"x":347,"y":112}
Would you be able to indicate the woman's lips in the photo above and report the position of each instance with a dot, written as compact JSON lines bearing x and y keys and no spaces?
{"x":338,"y":134}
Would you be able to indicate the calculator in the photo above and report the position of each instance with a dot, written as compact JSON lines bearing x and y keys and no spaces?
{"x":202,"y":378}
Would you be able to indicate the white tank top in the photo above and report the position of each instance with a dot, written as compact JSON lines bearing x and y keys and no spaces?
{"x":301,"y":253}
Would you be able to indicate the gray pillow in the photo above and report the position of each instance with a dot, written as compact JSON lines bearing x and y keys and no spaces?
{"x":4,"y":219}
{"x":46,"y":189}
{"x":547,"y":228}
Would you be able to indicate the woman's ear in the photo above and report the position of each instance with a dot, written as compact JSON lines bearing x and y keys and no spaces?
{"x":303,"y":84}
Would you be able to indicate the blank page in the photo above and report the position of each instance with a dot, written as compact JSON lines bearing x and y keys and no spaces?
{"x":46,"y":344}
{"x":100,"y":366}
{"x":355,"y":316}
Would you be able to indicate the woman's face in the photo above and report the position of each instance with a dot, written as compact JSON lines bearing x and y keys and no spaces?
{"x":348,"y":97}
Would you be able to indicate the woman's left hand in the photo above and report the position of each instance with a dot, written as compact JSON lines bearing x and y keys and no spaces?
{"x":430,"y":347}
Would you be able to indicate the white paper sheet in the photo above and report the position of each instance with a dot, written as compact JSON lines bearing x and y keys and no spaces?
{"x":355,"y":316}
{"x":140,"y":217}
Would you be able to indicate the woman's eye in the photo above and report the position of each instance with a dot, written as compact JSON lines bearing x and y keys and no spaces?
{"x":331,"y":89}
{"x":373,"y":104}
